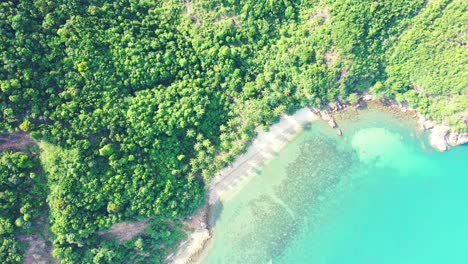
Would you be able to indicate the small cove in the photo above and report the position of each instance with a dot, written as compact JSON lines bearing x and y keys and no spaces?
{"x":379,"y":194}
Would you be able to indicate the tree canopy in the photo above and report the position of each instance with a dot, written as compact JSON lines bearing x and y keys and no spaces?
{"x":137,"y":104}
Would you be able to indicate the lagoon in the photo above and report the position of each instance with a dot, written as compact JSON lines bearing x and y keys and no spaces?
{"x":379,"y":194}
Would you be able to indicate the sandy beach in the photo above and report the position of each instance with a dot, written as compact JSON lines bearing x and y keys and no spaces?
{"x":261,"y":150}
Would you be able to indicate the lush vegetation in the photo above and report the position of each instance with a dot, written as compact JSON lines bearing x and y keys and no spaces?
{"x":431,"y":58}
{"x":139,"y":103}
{"x":23,"y":193}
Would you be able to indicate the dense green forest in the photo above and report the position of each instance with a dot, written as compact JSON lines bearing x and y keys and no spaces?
{"x":137,"y":104}
{"x":23,"y":193}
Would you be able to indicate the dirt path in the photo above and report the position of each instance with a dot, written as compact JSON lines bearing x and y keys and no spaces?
{"x":16,"y":140}
{"x":126,"y":230}
{"x":39,"y":246}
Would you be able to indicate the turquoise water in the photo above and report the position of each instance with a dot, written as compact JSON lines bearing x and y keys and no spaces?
{"x":377,"y":195}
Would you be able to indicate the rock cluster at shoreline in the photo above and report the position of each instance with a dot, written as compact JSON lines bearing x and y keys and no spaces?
{"x":441,"y":137}
{"x":328,"y":117}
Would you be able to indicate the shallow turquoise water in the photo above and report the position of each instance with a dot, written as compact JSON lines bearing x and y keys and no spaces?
{"x":377,"y":195}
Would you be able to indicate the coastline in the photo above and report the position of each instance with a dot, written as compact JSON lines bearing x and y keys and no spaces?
{"x":441,"y":137}
{"x":261,"y":150}
{"x":266,"y":144}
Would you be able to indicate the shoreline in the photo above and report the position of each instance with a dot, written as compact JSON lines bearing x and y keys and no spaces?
{"x":441,"y":137}
{"x":262,"y":149}
{"x":266,"y":144}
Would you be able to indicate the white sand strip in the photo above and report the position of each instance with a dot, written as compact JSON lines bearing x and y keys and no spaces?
{"x":260,"y":151}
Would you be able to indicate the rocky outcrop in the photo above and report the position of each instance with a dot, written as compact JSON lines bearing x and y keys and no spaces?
{"x":456,"y":139}
{"x":424,"y":123}
{"x":437,"y":138}
{"x":441,"y":137}
{"x":314,"y":110}
{"x":325,"y":115}
{"x":367,"y":97}
{"x":337,"y":105}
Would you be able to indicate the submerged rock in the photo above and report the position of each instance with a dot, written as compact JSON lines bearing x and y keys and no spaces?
{"x":325,"y":115}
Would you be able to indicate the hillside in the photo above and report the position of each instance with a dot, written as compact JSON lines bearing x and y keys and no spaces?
{"x":137,"y":104}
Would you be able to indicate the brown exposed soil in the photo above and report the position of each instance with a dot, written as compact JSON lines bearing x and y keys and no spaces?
{"x":126,"y":231}
{"x":39,"y":250}
{"x":331,"y":57}
{"x":199,"y":233}
{"x":198,"y":219}
{"x":323,"y":14}
{"x":234,"y":20}
{"x":39,"y":247}
{"x":16,"y":140}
